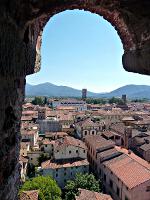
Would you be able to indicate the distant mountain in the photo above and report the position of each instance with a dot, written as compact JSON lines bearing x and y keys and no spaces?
{"x":132,"y":91}
{"x":51,"y":90}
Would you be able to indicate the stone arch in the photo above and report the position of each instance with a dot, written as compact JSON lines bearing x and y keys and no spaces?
{"x":131,"y":23}
{"x":113,"y":17}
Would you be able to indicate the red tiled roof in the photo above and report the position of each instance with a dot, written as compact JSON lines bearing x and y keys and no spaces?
{"x":29,"y":195}
{"x":63,"y":164}
{"x":47,"y":141}
{"x":70,"y":141}
{"x":87,"y":122}
{"x":98,"y":142}
{"x":109,"y":133}
{"x":51,"y":134}
{"x":107,"y":153}
{"x":91,"y":195}
{"x":119,"y":128}
{"x":134,"y":157}
{"x":130,"y":172}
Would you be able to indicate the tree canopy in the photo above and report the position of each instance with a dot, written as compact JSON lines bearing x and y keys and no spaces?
{"x":48,"y":188}
{"x":42,"y":158}
{"x":116,"y":100}
{"x":84,"y":181}
{"x":96,"y":101}
{"x":38,"y":101}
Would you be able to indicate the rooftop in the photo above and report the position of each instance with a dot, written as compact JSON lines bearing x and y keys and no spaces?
{"x":88,"y":122}
{"x":98,"y":141}
{"x":51,"y":134}
{"x":66,"y":141}
{"x":91,"y":195}
{"x":108,"y":153}
{"x":128,"y":170}
{"x":29,"y":195}
{"x":109,"y":134}
{"x":63,"y":163}
{"x":118,"y":127}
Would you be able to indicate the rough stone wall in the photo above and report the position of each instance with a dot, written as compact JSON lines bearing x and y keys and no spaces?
{"x":11,"y":97}
{"x":21,"y":26}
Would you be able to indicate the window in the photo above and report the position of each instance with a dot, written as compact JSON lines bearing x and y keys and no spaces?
{"x":31,"y":158}
{"x":105,"y":177}
{"x":118,"y":191}
{"x":85,"y":132}
{"x":148,"y":189}
{"x":126,"y":198}
{"x":69,"y":152}
{"x":83,"y":151}
{"x":76,"y":167}
{"x":57,"y":151}
{"x":46,"y":145}
{"x":65,"y":174}
{"x":110,"y":183}
{"x":76,"y":151}
{"x":93,"y":132}
{"x":100,"y":172}
{"x":56,"y":175}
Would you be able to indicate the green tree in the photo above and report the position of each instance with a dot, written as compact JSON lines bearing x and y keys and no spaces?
{"x":48,"y":188}
{"x":31,"y":170}
{"x":38,"y":101}
{"x":45,"y":100}
{"x":42,"y":158}
{"x":96,"y":101}
{"x":116,"y":100}
{"x":84,"y":181}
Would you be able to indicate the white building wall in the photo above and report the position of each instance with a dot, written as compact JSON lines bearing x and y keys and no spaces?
{"x":62,"y":175}
{"x":33,"y":157}
{"x":68,"y":152}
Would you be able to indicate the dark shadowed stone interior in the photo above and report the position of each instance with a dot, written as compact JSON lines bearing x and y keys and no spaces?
{"x":21,"y":26}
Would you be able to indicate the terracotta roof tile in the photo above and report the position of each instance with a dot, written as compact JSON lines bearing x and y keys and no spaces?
{"x":91,"y":195}
{"x":29,"y":195}
{"x":63,"y":163}
{"x":130,"y":172}
{"x":66,"y":141}
{"x":98,"y":141}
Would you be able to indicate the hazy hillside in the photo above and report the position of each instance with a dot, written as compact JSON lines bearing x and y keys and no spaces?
{"x":132,"y":91}
{"x":48,"y":89}
{"x":51,"y":90}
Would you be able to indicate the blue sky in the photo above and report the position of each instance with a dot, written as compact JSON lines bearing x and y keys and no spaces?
{"x":82,"y":50}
